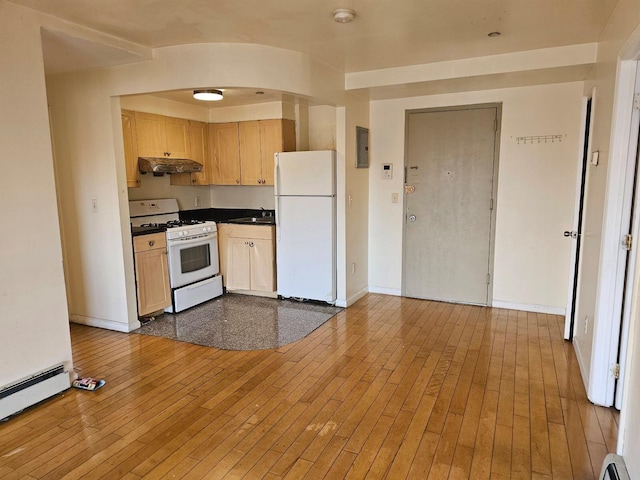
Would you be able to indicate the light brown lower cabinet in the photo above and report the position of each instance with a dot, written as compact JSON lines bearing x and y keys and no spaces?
{"x":247,"y":258}
{"x":152,"y":273}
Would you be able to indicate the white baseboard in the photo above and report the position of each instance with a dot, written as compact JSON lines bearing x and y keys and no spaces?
{"x":106,"y":324}
{"x":356,"y":296}
{"x":530,"y":307}
{"x":583,"y":370}
{"x":396,"y":292}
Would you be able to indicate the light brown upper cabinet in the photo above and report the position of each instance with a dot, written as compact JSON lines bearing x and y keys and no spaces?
{"x":224,"y":146}
{"x":199,"y":148}
{"x":160,"y":136}
{"x":277,"y":135}
{"x":238,"y":153}
{"x":130,"y":142}
{"x":259,"y":140}
{"x":250,"y":157}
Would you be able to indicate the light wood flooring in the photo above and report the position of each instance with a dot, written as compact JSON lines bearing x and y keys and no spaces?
{"x":390,"y":388}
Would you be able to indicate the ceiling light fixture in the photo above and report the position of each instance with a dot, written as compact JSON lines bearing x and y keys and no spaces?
{"x":344,"y":15}
{"x":208,"y":95}
{"x":494,"y":34}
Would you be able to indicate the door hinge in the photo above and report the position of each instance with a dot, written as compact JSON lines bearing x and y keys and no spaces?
{"x":615,"y":371}
{"x":491,"y":204}
{"x":627,"y":242}
{"x":488,"y":278}
{"x":636,"y":101}
{"x":495,"y":124}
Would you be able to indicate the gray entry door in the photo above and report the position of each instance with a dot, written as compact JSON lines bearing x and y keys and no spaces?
{"x":448,"y":222}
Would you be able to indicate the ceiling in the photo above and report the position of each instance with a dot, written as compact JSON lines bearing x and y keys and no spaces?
{"x":384,"y":34}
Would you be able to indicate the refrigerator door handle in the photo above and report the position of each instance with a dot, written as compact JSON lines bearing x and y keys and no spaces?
{"x":277,"y":174}
{"x":278,"y":231}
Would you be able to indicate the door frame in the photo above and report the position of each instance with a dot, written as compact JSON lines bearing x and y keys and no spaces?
{"x":579,"y":213}
{"x":613,"y":258}
{"x":629,"y":275}
{"x":494,"y":183}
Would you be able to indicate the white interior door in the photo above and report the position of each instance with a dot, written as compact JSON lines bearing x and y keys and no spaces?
{"x":450,"y":186}
{"x":629,"y":277}
{"x":576,"y":233}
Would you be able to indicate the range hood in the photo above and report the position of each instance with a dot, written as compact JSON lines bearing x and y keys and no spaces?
{"x":162,"y":165}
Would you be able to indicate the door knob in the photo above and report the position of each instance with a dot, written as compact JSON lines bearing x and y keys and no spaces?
{"x":572,"y":234}
{"x":412,"y":218}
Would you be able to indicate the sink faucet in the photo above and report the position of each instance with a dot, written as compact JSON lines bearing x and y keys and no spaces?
{"x":264,"y":213}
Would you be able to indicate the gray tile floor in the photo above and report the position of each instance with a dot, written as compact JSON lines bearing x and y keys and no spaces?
{"x":242,"y":322}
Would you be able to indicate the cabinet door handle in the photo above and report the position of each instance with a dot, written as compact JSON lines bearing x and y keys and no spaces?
{"x":237,"y":181}
{"x":259,"y":181}
{"x":152,"y":243}
{"x":251,"y":244}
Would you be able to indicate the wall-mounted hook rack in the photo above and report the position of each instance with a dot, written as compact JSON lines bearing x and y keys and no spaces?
{"x":539,"y":139}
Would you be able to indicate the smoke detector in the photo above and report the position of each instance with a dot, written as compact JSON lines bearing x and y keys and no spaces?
{"x":344,"y":15}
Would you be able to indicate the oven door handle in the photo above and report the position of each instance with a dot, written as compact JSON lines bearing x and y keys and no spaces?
{"x":176,"y":242}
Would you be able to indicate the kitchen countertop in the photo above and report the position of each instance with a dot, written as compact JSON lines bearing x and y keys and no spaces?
{"x":223,"y":215}
{"x":137,"y":231}
{"x":268,"y":221}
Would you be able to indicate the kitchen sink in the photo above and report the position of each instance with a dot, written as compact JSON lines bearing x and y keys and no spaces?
{"x":254,"y":220}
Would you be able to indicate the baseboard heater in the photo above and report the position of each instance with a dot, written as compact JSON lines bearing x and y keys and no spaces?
{"x":32,"y":389}
{"x":613,"y":468}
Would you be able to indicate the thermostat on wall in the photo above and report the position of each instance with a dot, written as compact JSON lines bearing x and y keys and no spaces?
{"x":387,"y":171}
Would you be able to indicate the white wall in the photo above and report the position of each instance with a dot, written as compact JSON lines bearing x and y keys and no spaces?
{"x":322,"y":127}
{"x":35,"y":329}
{"x":535,"y":192}
{"x":101,"y":267}
{"x":162,"y":106}
{"x":356,"y":205}
{"x":254,"y":111}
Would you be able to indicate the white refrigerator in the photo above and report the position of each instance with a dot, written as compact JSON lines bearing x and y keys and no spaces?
{"x":305,"y":191}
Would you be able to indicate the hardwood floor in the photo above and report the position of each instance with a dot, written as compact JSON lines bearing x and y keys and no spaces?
{"x":389,"y":388}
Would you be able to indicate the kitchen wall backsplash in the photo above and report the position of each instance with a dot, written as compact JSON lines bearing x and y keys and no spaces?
{"x":202,"y":197}
{"x":223,"y":196}
{"x":159,"y":187}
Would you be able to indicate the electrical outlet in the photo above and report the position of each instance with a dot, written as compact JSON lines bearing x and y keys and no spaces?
{"x":586,"y":324}
{"x":197,"y":202}
{"x":94,"y":205}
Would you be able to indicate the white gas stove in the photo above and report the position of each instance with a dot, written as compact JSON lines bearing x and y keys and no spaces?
{"x":192,"y":251}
